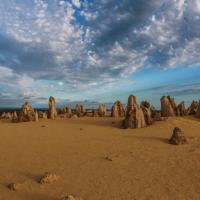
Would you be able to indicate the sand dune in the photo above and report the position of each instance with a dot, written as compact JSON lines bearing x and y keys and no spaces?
{"x":97,"y":160}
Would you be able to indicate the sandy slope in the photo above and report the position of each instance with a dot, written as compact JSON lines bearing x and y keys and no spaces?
{"x":143,"y":166}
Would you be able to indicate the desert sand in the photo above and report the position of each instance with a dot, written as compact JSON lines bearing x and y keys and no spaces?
{"x":97,"y":160}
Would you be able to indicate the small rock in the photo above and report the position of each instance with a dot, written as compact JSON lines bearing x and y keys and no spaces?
{"x":48,"y":178}
{"x":108,"y":158}
{"x":14,"y":186}
{"x":70,"y":197}
{"x":177,"y":137}
{"x":74,"y":117}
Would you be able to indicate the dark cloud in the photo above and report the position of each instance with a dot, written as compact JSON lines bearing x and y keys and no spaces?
{"x":32,"y":59}
{"x":97,"y":45}
{"x":117,"y":20}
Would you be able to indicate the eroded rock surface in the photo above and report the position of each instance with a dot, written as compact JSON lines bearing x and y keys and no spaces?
{"x":80,"y":110}
{"x":52,"y":108}
{"x":177,"y":137}
{"x":192,"y":110}
{"x":198,"y":110}
{"x":146,"y":108}
{"x":168,"y":106}
{"x":181,"y":110}
{"x":134,"y":116}
{"x":15,"y":117}
{"x":102,"y":110}
{"x":48,"y":178}
{"x":27,"y":113}
{"x":71,"y":197}
{"x":14,"y":186}
{"x":118,"y":110}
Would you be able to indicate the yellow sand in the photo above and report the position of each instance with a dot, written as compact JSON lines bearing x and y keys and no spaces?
{"x":96,"y":160}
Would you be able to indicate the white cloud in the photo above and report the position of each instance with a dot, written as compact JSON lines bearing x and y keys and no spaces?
{"x":188,"y":55}
{"x":50,"y":43}
{"x":60,"y":83}
{"x":76,"y":3}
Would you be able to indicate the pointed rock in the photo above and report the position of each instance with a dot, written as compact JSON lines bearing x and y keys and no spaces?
{"x":181,"y":110}
{"x":192,"y":110}
{"x":26,"y":113}
{"x":67,"y":110}
{"x":198,"y":111}
{"x":95,"y":112}
{"x":48,"y":178}
{"x":102,"y":110}
{"x":168,"y":107}
{"x":36,"y":116}
{"x":52,"y":108}
{"x":80,"y":111}
{"x":134,"y":116}
{"x":15,"y":117}
{"x":146,"y":107}
{"x":177,"y":137}
{"x":118,"y":110}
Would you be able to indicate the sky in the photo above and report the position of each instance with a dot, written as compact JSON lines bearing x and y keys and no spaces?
{"x":98,"y":51}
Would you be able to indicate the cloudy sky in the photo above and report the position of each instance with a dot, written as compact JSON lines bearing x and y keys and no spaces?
{"x":98,"y":50}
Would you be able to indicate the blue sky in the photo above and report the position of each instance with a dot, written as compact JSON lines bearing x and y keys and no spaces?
{"x":98,"y":50}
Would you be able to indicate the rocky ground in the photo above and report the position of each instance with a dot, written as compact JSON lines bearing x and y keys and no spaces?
{"x":94,"y":159}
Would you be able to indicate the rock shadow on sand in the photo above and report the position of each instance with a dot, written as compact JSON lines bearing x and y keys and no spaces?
{"x":32,"y":176}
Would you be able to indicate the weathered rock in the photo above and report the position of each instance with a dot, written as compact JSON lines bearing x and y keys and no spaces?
{"x":3,"y":115}
{"x":6,"y":116}
{"x":42,"y":115}
{"x":15,"y":117}
{"x":131,"y":102}
{"x":198,"y":111}
{"x":177,"y":137}
{"x":48,"y":178}
{"x":192,"y":110}
{"x":134,"y":116}
{"x":71,"y":197}
{"x":95,"y":112}
{"x":153,"y":112}
{"x":67,"y":110}
{"x":9,"y":116}
{"x":64,"y":111}
{"x":181,"y":110}
{"x":26,"y":113}
{"x":146,"y":108}
{"x":60,"y":111}
{"x":14,"y":186}
{"x":36,"y":116}
{"x":45,"y":116}
{"x":52,"y":108}
{"x":117,"y":110}
{"x":168,"y":107}
{"x":102,"y":110}
{"x":83,"y":109}
{"x":79,"y":110}
{"x":158,"y":117}
{"x":74,"y":116}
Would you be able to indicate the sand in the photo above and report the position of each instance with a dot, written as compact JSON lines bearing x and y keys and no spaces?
{"x":96,"y":160}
